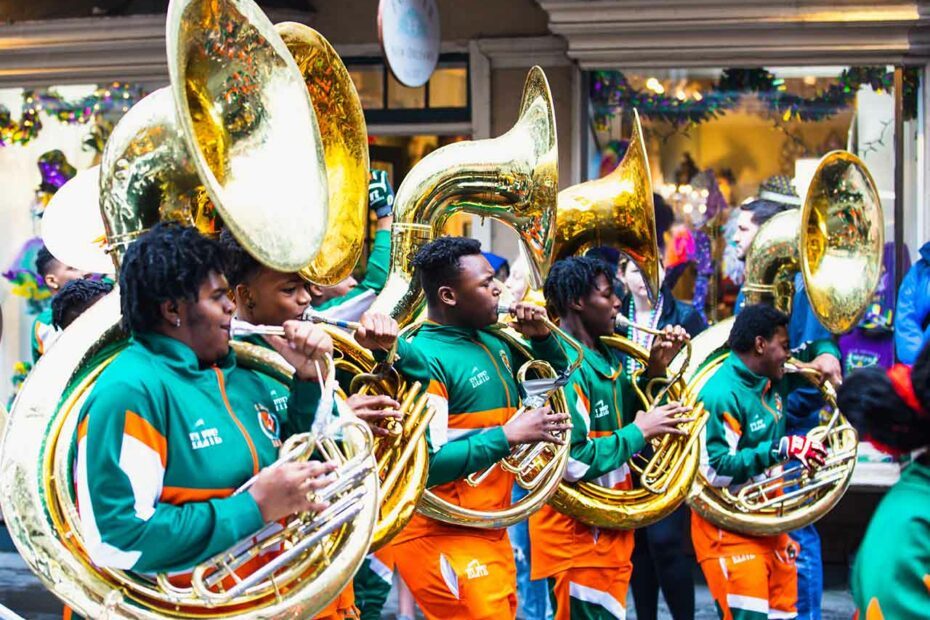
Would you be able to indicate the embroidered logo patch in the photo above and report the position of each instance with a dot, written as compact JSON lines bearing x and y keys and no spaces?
{"x":205,"y":438}
{"x":269,"y":425}
{"x":506,"y":360}
{"x":480,"y":378}
{"x":600,"y":409}
{"x":476,"y":569}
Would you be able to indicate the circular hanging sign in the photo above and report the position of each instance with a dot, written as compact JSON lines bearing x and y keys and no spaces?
{"x":409,"y":33}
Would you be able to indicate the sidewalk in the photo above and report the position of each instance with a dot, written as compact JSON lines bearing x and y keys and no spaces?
{"x":22,"y":592}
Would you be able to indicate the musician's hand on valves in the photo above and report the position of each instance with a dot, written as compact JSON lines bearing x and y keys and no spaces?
{"x":305,"y":346}
{"x":809,"y":452}
{"x":376,"y":331}
{"x":290,"y":488}
{"x":662,"y":420}
{"x":664,"y":349}
{"x":534,"y":425}
{"x":376,"y":410}
{"x":529,"y":320}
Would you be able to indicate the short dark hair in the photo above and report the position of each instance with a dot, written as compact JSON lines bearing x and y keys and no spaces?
{"x":868,"y":398}
{"x":74,"y":298}
{"x":239,"y":264}
{"x":755,"y":320}
{"x":169,"y":262}
{"x":764,"y":210}
{"x":571,"y":279}
{"x":44,"y":261}
{"x":437,"y":263}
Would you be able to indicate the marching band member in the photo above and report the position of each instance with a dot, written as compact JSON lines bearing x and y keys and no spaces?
{"x":813,"y":345}
{"x":268,"y":297}
{"x":55,"y":274}
{"x":589,"y":569}
{"x":891,"y":574}
{"x":460,"y":572}
{"x":749,"y":576}
{"x":659,"y":559}
{"x":173,"y":426}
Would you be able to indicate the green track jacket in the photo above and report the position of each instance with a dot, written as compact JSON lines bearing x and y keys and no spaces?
{"x":744,"y":425}
{"x":162,"y":444}
{"x":471,"y":382}
{"x":603,"y":404}
{"x":891,"y":576}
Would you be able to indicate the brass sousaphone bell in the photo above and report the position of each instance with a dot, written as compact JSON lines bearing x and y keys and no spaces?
{"x":512,"y":179}
{"x":836,"y":242}
{"x":233,"y":137}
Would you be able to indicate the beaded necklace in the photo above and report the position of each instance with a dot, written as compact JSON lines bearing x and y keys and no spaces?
{"x":638,"y":336}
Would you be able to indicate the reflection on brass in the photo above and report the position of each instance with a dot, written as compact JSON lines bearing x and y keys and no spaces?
{"x":836,"y":242}
{"x":615,"y":211}
{"x":842,"y":240}
{"x":345,"y":148}
{"x":251,"y":132}
{"x":512,"y":179}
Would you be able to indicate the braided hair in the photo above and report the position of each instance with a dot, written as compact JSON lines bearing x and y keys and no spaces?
{"x":571,"y":279}
{"x":437,"y":263}
{"x":891,"y":408}
{"x":240,"y":265}
{"x":168,"y":263}
{"x":74,"y":298}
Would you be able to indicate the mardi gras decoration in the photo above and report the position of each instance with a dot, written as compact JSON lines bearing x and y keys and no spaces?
{"x":611,"y":91}
{"x":113,"y":99}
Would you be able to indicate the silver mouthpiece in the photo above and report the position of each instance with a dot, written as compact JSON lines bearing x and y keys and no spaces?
{"x":238,"y":327}
{"x":622,"y":322}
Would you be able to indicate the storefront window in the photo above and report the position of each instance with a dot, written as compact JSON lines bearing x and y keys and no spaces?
{"x":369,"y":82}
{"x":443,"y":99}
{"x":713,"y":136}
{"x":403,"y":97}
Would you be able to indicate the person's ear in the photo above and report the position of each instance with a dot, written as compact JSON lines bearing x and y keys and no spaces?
{"x":576,"y":305}
{"x":315,"y":290}
{"x":51,"y":281}
{"x":245,"y":294}
{"x":760,"y":345}
{"x":170,"y":312}
{"x":446,"y":295}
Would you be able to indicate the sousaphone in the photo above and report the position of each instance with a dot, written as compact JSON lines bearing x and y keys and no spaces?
{"x":232,"y":141}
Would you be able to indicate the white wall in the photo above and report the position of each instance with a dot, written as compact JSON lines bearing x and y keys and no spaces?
{"x":19,"y":178}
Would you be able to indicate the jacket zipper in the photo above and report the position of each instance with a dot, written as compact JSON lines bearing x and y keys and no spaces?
{"x":245,"y":435}
{"x":496,"y":369}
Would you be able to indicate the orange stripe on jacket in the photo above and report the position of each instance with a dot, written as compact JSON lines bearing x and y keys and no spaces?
{"x":733,"y":423}
{"x":481,"y":419}
{"x":438,"y":389}
{"x":138,"y":427}
{"x":583,"y":398}
{"x":82,"y":429}
{"x":182,"y":495}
